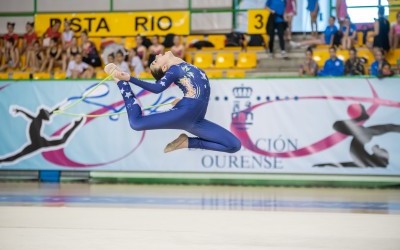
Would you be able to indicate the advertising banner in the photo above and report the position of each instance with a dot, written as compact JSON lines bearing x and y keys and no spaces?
{"x":120,"y":24}
{"x":313,"y":126}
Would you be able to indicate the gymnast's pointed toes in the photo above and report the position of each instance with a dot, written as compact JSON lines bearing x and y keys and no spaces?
{"x":178,"y":143}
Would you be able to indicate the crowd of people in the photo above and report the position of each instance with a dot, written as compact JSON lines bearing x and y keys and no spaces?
{"x":75,"y":54}
{"x":78,"y":56}
{"x":343,"y":36}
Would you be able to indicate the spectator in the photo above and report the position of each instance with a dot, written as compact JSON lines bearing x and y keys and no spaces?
{"x":381,"y":31}
{"x":111,"y":58}
{"x":10,"y":33}
{"x":290,"y":11}
{"x":11,"y":55}
{"x":313,"y":7}
{"x":136,"y":63}
{"x":120,"y":62}
{"x":73,"y":50}
{"x":67,"y":35}
{"x":178,"y":49}
{"x":52,"y":32}
{"x":326,"y":38}
{"x":333,"y":66}
{"x":53,"y":56}
{"x":341,"y":11}
{"x":38,"y":57}
{"x":77,"y":69}
{"x":90,"y":54}
{"x":381,"y":67}
{"x":155,"y":49}
{"x":30,"y":38}
{"x":141,"y":49}
{"x":354,"y":65}
{"x":309,"y":67}
{"x":349,"y":31}
{"x":395,"y":32}
{"x":84,"y":38}
{"x":276,"y":21}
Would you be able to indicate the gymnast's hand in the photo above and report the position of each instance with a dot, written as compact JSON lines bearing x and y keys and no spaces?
{"x":121,"y":75}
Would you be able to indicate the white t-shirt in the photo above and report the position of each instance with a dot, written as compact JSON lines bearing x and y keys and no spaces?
{"x":67,"y":36}
{"x":72,"y":65}
{"x":137,"y":65}
{"x":124,"y":67}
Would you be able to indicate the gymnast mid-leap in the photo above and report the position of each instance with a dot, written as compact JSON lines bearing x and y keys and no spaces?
{"x":187,"y":114}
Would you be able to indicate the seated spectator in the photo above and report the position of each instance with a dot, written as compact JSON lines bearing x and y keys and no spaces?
{"x":326,"y":38}
{"x":381,"y":31}
{"x":381,"y":67}
{"x":11,"y":55}
{"x":38,"y":57}
{"x":110,"y":58}
{"x":53,"y":56}
{"x":395,"y":33}
{"x":67,"y":35}
{"x":178,"y":49}
{"x":309,"y":67}
{"x":73,"y":50}
{"x":10,"y":33}
{"x":155,"y":49}
{"x":30,"y":38}
{"x":77,"y":69}
{"x":349,"y":32}
{"x":52,"y":32}
{"x":354,"y":65}
{"x":141,"y":49}
{"x":333,"y":66}
{"x":90,"y":54}
{"x":136,"y":63}
{"x":120,"y":62}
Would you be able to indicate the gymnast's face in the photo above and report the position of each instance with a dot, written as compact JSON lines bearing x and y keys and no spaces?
{"x":161,"y":61}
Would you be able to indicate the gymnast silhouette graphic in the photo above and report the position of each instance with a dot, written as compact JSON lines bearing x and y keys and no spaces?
{"x":362,"y":135}
{"x":36,"y":140}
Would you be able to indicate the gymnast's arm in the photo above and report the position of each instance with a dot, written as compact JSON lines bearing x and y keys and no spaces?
{"x":160,"y":85}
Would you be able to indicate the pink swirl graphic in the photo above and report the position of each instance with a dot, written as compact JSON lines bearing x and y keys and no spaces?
{"x":315,"y":147}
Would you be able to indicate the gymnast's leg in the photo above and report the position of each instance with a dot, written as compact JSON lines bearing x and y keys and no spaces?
{"x":173,"y":119}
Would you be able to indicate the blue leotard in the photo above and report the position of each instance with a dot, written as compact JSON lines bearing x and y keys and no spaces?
{"x":188,"y":114}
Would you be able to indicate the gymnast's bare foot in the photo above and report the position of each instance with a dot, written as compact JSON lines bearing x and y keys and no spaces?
{"x":181,"y":142}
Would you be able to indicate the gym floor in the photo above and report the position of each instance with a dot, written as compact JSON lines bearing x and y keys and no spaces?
{"x":103,"y":216}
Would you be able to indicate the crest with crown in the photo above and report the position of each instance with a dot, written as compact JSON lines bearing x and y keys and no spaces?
{"x":242,"y":92}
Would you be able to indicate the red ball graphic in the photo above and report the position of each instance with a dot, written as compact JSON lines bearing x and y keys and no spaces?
{"x":354,"y":110}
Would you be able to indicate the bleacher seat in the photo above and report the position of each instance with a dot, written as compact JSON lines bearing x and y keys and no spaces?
{"x":130,"y":42}
{"x":41,"y":75}
{"x":235,"y":74}
{"x":246,"y":60}
{"x":217,"y":40}
{"x":145,"y":74}
{"x":192,"y":38}
{"x":20,"y":75}
{"x":367,"y":54}
{"x":214,"y":73}
{"x":3,"y":75}
{"x":224,"y":60}
{"x":101,"y":74}
{"x":320,"y":56}
{"x":393,"y":56}
{"x":343,"y":55}
{"x":255,"y":48}
{"x":233,"y":49}
{"x":189,"y":58}
{"x":203,"y":60}
{"x":58,"y":75}
{"x":360,"y":36}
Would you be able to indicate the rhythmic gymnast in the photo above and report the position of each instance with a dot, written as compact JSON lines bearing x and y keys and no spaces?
{"x":187,"y":114}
